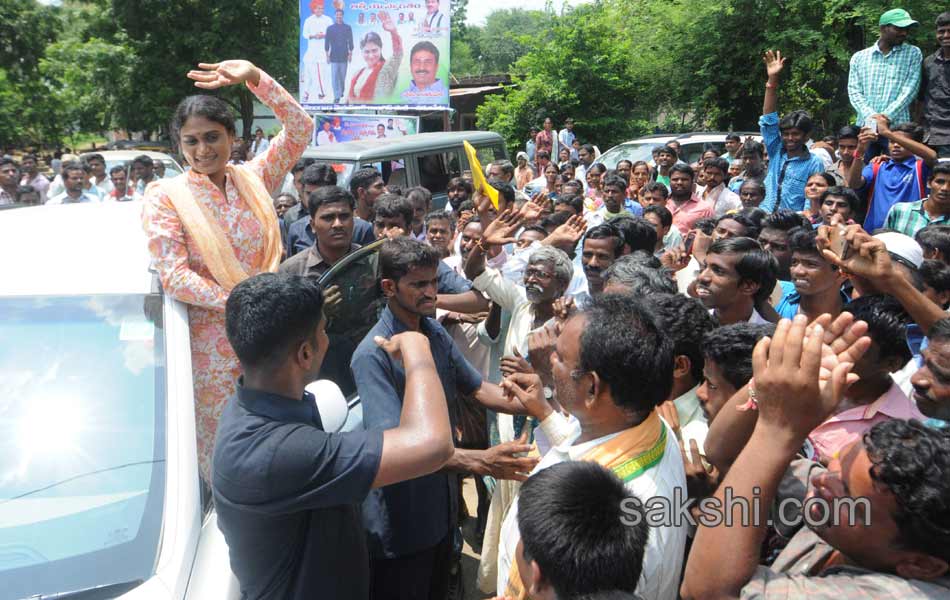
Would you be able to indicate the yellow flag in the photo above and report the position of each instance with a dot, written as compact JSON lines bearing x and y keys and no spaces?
{"x":480,"y":184}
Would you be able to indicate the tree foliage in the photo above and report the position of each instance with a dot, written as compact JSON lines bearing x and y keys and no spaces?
{"x":624,"y":67}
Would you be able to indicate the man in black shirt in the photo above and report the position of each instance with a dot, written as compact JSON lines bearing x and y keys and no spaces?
{"x":935,"y":91}
{"x":339,"y":47}
{"x":286,"y":491}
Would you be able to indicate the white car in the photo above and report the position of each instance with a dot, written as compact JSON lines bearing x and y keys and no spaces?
{"x":692,"y":146}
{"x":124,"y":158}
{"x":99,"y":485}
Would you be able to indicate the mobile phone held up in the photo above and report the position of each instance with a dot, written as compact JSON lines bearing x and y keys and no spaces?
{"x":688,"y":244}
{"x":837,"y":242}
{"x":871,"y":123}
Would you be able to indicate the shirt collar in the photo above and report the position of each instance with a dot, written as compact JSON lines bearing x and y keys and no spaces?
{"x":688,"y":408}
{"x":277,"y":407}
{"x":314,"y":257}
{"x":893,"y":403}
{"x":395,"y":326}
{"x":897,"y":49}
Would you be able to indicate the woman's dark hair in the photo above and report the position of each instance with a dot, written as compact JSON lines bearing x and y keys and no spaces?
{"x":212,"y":108}
{"x":799,"y":119}
{"x":621,"y":338}
{"x":912,"y":461}
{"x":598,"y":168}
{"x":371,"y":38}
{"x":828,"y":177}
{"x":400,"y":255}
{"x":269,"y":315}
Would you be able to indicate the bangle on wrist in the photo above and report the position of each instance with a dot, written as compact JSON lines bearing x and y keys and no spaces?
{"x":771,"y":86}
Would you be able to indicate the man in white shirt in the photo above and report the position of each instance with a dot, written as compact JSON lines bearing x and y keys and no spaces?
{"x":736,"y":275}
{"x":74,"y":180}
{"x":434,"y":21}
{"x":566,"y":136}
{"x":30,"y":176}
{"x":715,"y":191}
{"x":314,"y":79}
{"x":610,"y":384}
{"x":98,"y":176}
{"x":260,"y":144}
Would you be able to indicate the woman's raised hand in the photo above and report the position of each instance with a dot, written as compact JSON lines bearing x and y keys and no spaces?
{"x":211,"y":76}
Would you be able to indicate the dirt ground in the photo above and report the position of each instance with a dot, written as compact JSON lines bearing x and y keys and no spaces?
{"x":469,"y":556}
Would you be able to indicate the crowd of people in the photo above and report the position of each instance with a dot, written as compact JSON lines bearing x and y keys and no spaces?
{"x":724,"y":379}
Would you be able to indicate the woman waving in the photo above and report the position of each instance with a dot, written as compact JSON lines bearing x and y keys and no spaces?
{"x":215,"y":225}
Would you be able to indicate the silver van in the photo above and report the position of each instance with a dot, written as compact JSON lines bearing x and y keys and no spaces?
{"x":426,"y":159}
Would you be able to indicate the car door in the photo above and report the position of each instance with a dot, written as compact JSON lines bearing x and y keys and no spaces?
{"x":348,"y":321}
{"x":434,"y":169}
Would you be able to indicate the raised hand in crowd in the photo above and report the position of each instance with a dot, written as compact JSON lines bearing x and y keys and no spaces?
{"x":507,"y":460}
{"x":500,"y":231}
{"x":567,"y":235}
{"x":515,"y":364}
{"x":541,"y":344}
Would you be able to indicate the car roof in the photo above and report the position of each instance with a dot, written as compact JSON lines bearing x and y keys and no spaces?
{"x":94,"y":248}
{"x":714,"y":136}
{"x":128,"y":154}
{"x":368,"y":150}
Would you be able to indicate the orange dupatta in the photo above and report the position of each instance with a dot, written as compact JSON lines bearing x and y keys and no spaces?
{"x":628,"y":454}
{"x":212,"y":241}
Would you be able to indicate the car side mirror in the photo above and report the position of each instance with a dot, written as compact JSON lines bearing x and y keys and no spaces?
{"x":331,"y":404}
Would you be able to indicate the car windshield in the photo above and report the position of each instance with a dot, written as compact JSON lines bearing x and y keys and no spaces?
{"x":633,"y":151}
{"x":82,"y":441}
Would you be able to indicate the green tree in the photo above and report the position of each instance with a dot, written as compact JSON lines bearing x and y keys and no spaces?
{"x":598,"y":65}
{"x":262,"y":31}
{"x":507,"y":36}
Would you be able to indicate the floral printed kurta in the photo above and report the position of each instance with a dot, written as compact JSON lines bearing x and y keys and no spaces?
{"x":186,"y":277}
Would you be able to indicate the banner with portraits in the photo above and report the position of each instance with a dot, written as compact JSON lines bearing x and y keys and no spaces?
{"x":374,"y":54}
{"x":336,"y":128}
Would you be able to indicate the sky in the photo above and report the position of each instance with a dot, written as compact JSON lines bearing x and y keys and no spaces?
{"x":479,"y":9}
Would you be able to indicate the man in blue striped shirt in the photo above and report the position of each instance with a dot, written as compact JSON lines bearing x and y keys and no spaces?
{"x":885,"y":77}
{"x":790,"y":162}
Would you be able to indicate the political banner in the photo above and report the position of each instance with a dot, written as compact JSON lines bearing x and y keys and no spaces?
{"x":335,"y":128}
{"x":392,"y":54}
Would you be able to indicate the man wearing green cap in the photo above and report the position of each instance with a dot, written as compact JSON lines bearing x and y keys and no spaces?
{"x":884,"y":78}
